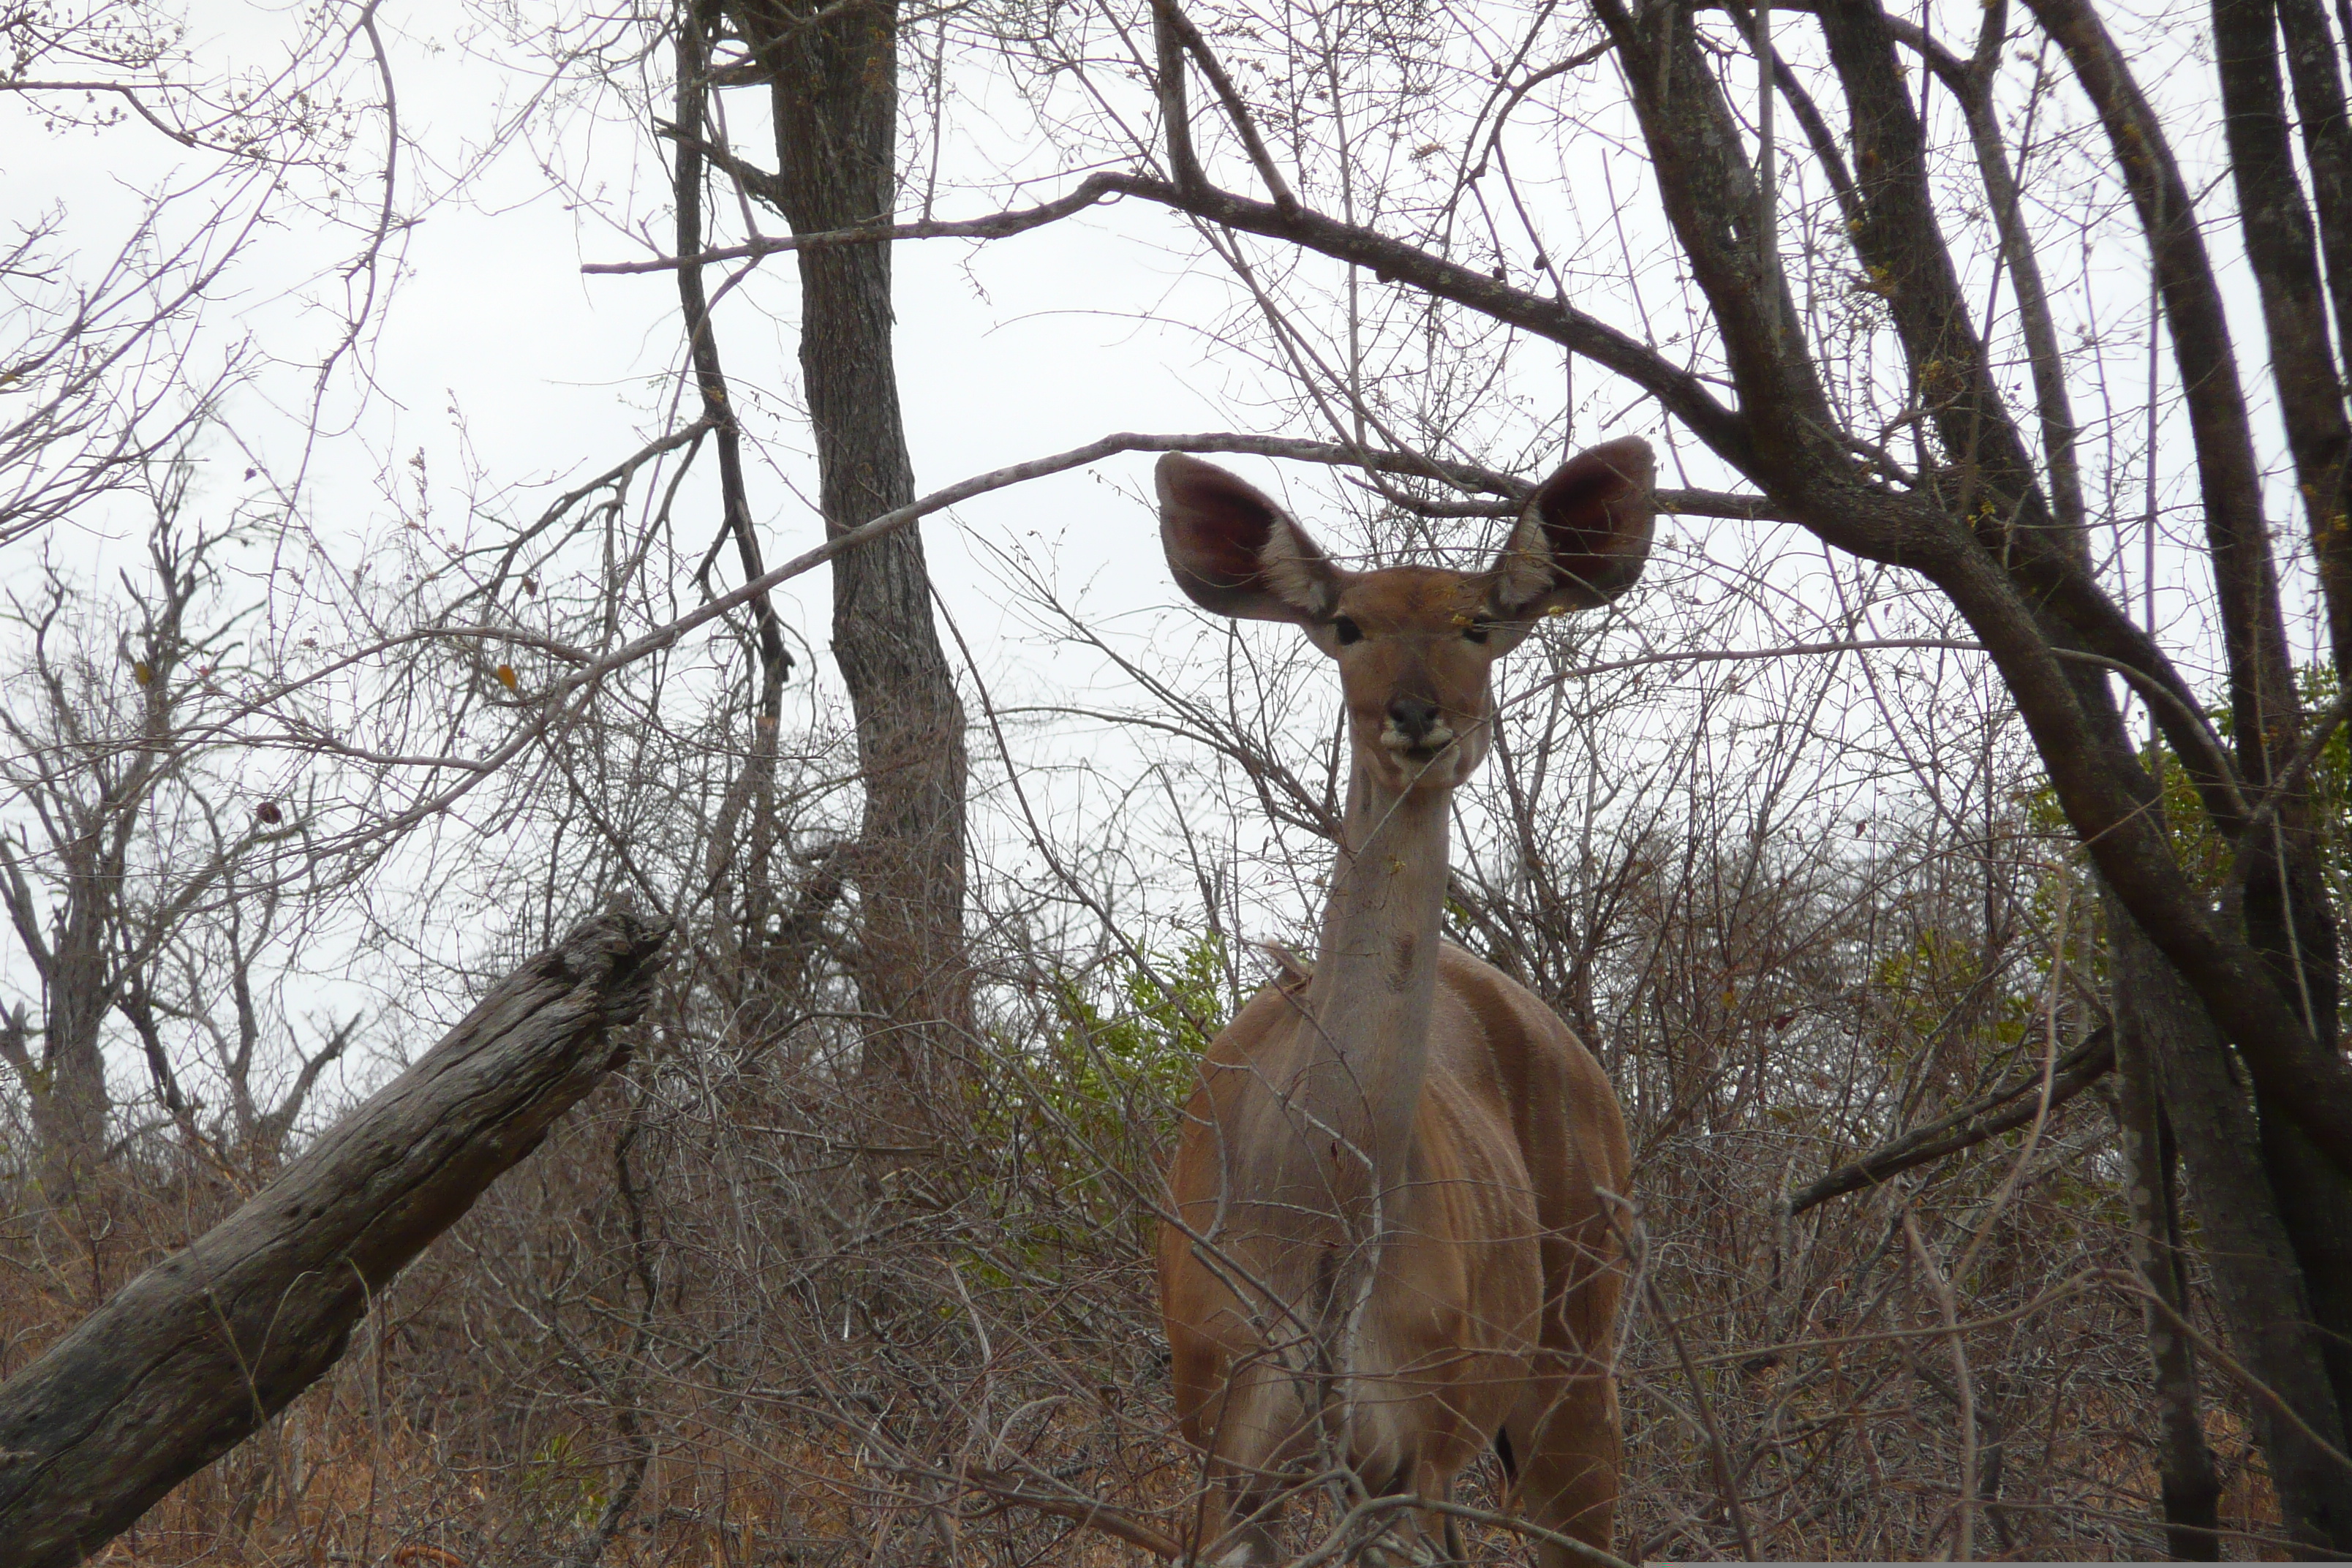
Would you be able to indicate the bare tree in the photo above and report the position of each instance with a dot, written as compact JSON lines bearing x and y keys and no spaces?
{"x":833,"y":82}
{"x":128,"y":872}
{"x":1778,"y":841}
{"x":112,"y":352}
{"x":97,"y":733}
{"x":86,"y":409}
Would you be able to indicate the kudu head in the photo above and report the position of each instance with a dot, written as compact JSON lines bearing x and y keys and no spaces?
{"x":1414,"y":644}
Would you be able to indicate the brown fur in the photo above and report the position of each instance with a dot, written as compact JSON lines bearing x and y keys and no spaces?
{"x":1516,"y":1128}
{"x":1389,"y":1243}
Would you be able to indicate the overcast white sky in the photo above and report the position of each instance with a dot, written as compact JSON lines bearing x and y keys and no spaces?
{"x":1005,"y":352}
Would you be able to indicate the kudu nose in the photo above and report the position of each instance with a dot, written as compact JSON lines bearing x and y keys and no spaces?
{"x":1414,"y":718}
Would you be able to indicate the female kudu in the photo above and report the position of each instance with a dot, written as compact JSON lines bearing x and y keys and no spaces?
{"x":1390,"y":1246}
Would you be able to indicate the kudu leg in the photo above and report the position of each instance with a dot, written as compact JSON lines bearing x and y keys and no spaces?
{"x":1259,"y":1438}
{"x":1565,"y":1438}
{"x":1415,"y":1538}
{"x":1238,"y":1527}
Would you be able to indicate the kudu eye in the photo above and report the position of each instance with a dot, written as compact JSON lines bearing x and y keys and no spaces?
{"x":1346,"y":631}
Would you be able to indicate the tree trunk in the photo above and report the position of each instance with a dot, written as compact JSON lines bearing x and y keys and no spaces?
{"x":64,"y":1087}
{"x":2191,"y":1490}
{"x":2255,"y":1273}
{"x":2275,"y":222}
{"x":835,"y":74}
{"x":67,"y":1095}
{"x":2288,"y":913}
{"x":199,"y":1352}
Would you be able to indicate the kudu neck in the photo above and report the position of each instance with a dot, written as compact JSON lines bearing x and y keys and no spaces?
{"x":1375,"y":979}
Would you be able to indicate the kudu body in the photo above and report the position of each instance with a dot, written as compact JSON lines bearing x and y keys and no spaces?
{"x":1390,"y":1246}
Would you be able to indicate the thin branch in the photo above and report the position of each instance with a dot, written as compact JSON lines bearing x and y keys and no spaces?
{"x":1090,"y":191}
{"x":128,"y":95}
{"x":2132,"y":1285}
{"x":1964,"y":1524}
{"x":2250,"y":850}
{"x":2083,"y":1067}
{"x":1171,"y":16}
{"x":1726,"y":1478}
{"x":1004,"y":1489}
{"x":711,"y":379}
{"x":1175,"y":110}
{"x":1681,"y":391}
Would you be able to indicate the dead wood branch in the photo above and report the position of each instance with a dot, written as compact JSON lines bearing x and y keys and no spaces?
{"x":196,"y":1353}
{"x":1967,"y":1126}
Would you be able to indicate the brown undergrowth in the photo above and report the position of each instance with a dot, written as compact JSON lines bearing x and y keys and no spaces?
{"x":729,"y":1314}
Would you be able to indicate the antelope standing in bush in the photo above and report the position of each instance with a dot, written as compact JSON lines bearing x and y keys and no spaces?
{"x":1389,"y":1248}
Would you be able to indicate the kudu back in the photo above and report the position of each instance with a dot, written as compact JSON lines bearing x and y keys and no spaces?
{"x":1390,"y":1246}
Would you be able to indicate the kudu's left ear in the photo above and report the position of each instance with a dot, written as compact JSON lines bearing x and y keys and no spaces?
{"x":1585,"y":535}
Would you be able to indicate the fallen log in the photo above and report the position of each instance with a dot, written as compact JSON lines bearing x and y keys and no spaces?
{"x":196,"y":1353}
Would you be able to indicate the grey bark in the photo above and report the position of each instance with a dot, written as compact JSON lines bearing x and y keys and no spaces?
{"x":2256,"y":1276}
{"x":744,"y":842}
{"x":2287,"y":909}
{"x":196,"y":1353}
{"x":2190,"y":1488}
{"x":93,"y":810}
{"x":834,"y":70}
{"x":1897,"y":231}
{"x":66,"y":1088}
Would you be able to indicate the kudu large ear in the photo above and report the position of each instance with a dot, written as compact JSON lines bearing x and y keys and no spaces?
{"x":1585,"y":535}
{"x":1236,"y":553}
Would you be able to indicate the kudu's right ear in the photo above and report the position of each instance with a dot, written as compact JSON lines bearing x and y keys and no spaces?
{"x":1235,"y":551}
